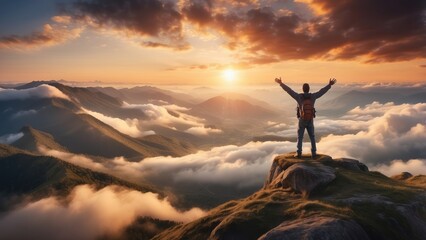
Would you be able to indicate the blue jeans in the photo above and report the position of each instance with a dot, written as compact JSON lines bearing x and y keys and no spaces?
{"x":309,"y":125}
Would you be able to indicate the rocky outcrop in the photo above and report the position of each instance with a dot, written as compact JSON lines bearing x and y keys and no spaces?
{"x":303,"y":178}
{"x":411,"y":213}
{"x":325,"y":228}
{"x":346,"y":163}
{"x":402,"y":176}
{"x":304,"y":175}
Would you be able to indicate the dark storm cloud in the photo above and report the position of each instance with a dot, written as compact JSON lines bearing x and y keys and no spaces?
{"x":379,"y":30}
{"x":198,"y":11}
{"x":386,"y":30}
{"x":149,"y":18}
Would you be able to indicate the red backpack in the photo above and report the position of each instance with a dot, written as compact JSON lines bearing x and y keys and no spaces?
{"x":307,"y":110}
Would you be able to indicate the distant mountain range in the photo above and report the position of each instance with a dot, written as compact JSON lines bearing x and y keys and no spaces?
{"x":354,"y":98}
{"x":67,"y":122}
{"x":148,"y":94}
{"x":93,"y":100}
{"x":24,"y":174}
{"x":64,"y":121}
{"x":231,"y":106}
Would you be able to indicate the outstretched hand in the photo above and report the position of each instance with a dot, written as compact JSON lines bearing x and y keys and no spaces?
{"x":332,"y":81}
{"x":278,"y":80}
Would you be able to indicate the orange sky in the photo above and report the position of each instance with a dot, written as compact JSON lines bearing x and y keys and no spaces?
{"x":199,"y":44}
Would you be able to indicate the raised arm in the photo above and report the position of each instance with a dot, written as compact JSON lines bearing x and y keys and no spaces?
{"x":324,"y":89}
{"x":286,"y":88}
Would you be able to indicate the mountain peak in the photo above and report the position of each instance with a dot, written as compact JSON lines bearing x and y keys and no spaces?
{"x":38,"y":83}
{"x":33,"y":139}
{"x":403,"y":176}
{"x":28,"y":130}
{"x":233,"y":107}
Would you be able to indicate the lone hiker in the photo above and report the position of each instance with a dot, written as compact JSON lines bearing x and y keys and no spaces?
{"x":306,"y":112}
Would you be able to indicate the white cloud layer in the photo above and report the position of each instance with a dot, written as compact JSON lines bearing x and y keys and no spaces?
{"x":202,"y":131}
{"x":127,"y":126}
{"x":237,"y":166}
{"x":170,"y":116}
{"x":162,"y":115}
{"x":88,"y":214}
{"x":389,"y":132}
{"x":24,"y":113}
{"x":393,"y":132}
{"x":10,"y":138}
{"x":232,"y":166}
{"x":413,"y":166}
{"x":376,"y":134}
{"x":42,"y":91}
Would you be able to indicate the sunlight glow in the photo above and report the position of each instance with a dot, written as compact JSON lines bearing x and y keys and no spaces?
{"x":229,"y":75}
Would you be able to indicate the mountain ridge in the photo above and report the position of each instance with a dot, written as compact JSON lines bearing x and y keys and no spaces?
{"x":79,"y":132}
{"x":27,"y":174}
{"x":33,"y":139}
{"x":230,"y":108}
{"x":349,"y":100}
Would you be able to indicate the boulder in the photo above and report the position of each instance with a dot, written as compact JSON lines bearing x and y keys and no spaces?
{"x":304,"y":174}
{"x":413,"y":215}
{"x":347,"y":163}
{"x":280,"y":164}
{"x":402,"y":176}
{"x":303,"y":178}
{"x":275,"y":170}
{"x":317,"y":227}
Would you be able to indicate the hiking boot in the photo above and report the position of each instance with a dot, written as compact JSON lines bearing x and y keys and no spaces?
{"x":298,"y":155}
{"x":314,"y":155}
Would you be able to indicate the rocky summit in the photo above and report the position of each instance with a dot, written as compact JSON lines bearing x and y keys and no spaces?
{"x":303,"y":175}
{"x":321,"y":198}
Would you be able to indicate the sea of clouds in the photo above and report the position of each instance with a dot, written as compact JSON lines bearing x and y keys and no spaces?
{"x":88,"y":214}
{"x":382,"y":135}
{"x":387,"y":137}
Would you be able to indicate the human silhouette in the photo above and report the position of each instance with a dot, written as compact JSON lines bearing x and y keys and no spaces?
{"x":306,"y":112}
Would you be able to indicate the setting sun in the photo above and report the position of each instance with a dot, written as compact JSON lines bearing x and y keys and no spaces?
{"x":229,"y":75}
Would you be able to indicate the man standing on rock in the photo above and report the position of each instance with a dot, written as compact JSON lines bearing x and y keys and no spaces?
{"x":306,"y":112}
